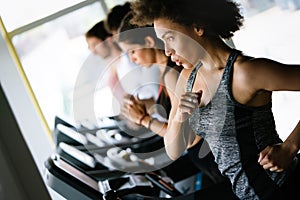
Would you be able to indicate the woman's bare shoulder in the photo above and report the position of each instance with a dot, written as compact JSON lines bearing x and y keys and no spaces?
{"x":250,"y":64}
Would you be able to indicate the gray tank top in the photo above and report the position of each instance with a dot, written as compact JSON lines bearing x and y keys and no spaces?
{"x":236,"y":134}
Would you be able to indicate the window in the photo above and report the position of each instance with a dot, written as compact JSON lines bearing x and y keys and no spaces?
{"x":112,"y":3}
{"x":18,"y":13}
{"x":52,"y":55}
{"x":49,"y":39}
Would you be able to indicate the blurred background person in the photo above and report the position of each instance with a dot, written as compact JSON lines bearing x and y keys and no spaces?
{"x":146,"y":50}
{"x":100,"y":43}
{"x":135,"y":80}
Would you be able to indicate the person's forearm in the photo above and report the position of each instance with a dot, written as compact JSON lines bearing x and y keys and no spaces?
{"x":177,"y":138}
{"x":158,"y":127}
{"x":155,"y":126}
{"x":293,"y":140}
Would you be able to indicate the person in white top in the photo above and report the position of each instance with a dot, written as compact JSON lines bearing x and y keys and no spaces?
{"x":100,"y":43}
{"x":136,"y":80}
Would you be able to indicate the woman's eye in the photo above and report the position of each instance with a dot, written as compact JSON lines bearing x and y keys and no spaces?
{"x":131,"y":52}
{"x":170,"y":39}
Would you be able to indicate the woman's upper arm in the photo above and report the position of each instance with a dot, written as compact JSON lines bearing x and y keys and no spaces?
{"x":269,"y":75}
{"x":171,"y":79}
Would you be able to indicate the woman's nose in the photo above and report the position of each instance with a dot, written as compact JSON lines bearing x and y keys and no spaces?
{"x":168,"y":51}
{"x":132,"y":58}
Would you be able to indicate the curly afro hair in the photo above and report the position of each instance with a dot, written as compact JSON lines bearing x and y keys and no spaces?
{"x":217,"y":17}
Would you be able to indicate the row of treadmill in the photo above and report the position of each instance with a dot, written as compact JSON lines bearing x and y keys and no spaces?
{"x":114,"y":161}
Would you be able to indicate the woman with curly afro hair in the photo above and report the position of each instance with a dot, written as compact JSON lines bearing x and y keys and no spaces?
{"x":224,"y":96}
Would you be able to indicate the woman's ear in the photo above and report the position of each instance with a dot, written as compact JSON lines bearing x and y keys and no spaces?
{"x":199,"y":31}
{"x":149,"y":42}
